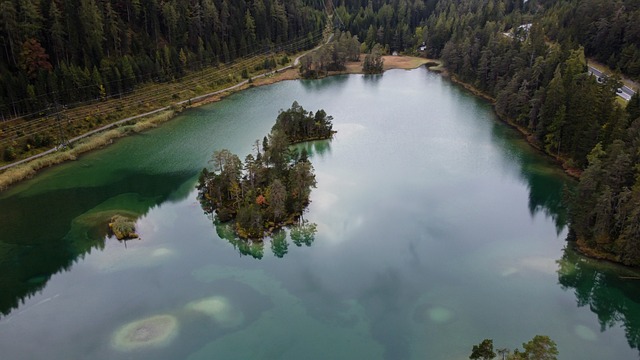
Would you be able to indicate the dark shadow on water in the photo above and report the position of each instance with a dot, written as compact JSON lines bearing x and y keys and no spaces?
{"x":372,"y":79}
{"x":544,"y":179}
{"x":610,"y":291}
{"x":56,"y":236}
{"x":383,"y":301}
{"x":330,"y":81}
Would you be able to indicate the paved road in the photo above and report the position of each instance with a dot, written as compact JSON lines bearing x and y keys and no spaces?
{"x":595,"y":72}
{"x":624,"y":92}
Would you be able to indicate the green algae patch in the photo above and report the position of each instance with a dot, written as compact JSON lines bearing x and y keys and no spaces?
{"x":219,"y":309}
{"x":153,"y":332}
{"x":440,"y":315}
{"x":434,"y":314}
{"x":133,"y":257}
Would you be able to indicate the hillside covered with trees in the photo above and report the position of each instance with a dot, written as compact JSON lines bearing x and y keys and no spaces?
{"x":66,"y":51}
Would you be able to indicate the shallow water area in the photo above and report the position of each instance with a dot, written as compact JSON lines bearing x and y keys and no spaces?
{"x":437,"y":227}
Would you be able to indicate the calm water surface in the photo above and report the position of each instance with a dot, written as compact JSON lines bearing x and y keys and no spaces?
{"x":437,"y":227}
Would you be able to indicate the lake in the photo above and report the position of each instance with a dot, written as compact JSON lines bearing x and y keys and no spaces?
{"x":437,"y":227}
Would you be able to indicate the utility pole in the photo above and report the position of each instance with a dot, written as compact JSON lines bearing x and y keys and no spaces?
{"x":504,"y":352}
{"x":329,"y":8}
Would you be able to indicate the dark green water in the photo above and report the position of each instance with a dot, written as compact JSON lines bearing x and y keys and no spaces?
{"x":437,"y":227}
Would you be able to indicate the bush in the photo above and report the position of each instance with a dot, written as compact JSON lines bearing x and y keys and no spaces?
{"x":123,"y":228}
{"x":9,"y":153}
{"x":224,"y":214}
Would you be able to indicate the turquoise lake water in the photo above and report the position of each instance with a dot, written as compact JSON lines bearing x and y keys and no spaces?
{"x":437,"y":227}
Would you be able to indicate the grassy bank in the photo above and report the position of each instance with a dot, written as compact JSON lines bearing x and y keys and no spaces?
{"x":28,"y":170}
{"x":27,"y":137}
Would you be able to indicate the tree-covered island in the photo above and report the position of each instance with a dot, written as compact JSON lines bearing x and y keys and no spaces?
{"x":271,"y":188}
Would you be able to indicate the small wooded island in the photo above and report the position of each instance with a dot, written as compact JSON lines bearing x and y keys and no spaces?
{"x":271,"y":188}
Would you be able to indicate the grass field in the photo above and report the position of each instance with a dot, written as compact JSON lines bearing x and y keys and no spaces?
{"x":390,"y":62}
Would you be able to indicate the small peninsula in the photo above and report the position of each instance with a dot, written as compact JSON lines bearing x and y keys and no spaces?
{"x":271,"y":188}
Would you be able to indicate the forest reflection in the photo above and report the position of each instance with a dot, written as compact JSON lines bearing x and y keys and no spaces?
{"x":610,"y":291}
{"x":300,"y":234}
{"x":31,"y":252}
{"x":545,"y":191}
{"x":318,"y":148}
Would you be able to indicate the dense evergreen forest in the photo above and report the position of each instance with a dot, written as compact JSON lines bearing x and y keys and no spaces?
{"x":529,"y":56}
{"x":66,"y":51}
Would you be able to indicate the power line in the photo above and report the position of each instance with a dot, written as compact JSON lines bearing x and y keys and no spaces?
{"x":193,"y":80}
{"x":169,"y":71}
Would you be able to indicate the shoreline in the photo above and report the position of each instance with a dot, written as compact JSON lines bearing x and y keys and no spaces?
{"x":528,"y":136}
{"x":96,"y":141}
{"x":578,"y":246}
{"x":102,"y":137}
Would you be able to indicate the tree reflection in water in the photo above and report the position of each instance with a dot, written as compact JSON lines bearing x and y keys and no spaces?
{"x":610,"y":291}
{"x":302,"y":233}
